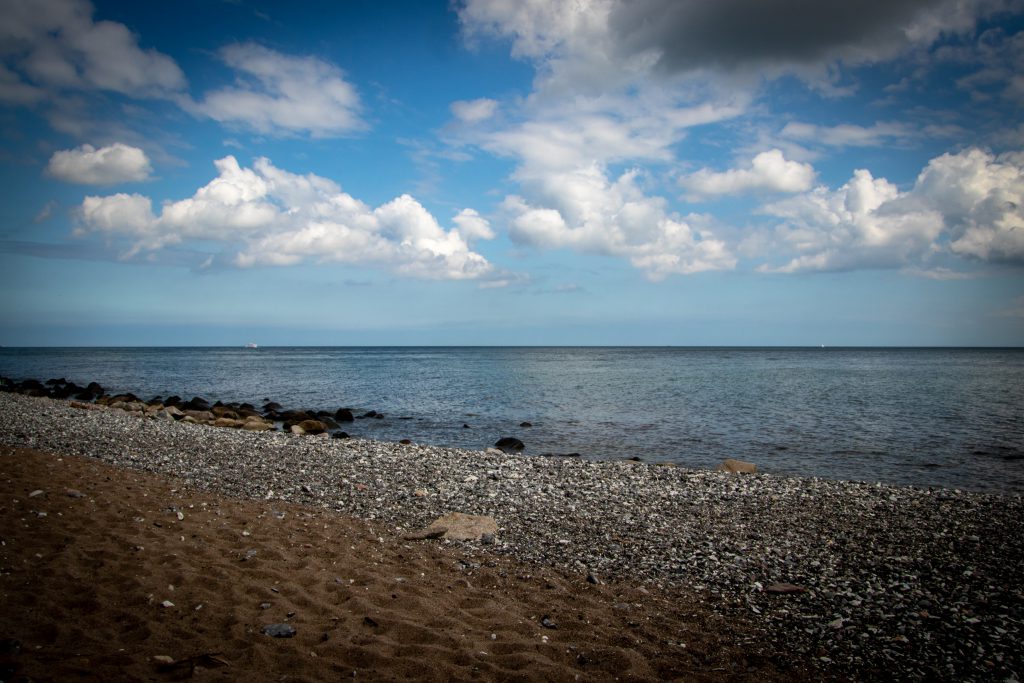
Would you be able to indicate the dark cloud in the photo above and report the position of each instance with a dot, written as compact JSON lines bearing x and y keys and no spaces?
{"x":740,"y":34}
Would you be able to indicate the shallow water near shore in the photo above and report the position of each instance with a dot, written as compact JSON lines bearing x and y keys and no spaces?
{"x":923,"y":417}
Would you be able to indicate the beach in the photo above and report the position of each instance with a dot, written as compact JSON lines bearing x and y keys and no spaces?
{"x":596,"y":570}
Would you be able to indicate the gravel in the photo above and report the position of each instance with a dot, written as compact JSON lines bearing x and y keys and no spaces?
{"x":883,"y":581}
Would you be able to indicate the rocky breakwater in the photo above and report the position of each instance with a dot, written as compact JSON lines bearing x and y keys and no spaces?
{"x":197,"y":410}
{"x":871,"y":582}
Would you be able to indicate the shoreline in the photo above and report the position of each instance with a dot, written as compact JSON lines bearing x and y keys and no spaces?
{"x":894,"y":579}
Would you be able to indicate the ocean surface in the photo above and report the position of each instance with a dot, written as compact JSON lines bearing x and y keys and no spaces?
{"x":923,"y":417}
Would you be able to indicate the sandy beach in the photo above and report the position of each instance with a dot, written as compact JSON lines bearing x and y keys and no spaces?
{"x":142,"y":549}
{"x":103,"y":581}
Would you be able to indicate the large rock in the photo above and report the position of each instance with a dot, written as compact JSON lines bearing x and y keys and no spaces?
{"x":198,"y":403}
{"x":458,"y":526}
{"x":509,"y":444}
{"x":308,"y":427}
{"x":344,"y":415}
{"x":173,"y":411}
{"x":737,"y":466}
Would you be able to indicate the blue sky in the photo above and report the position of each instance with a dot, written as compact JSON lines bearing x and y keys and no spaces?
{"x":745,"y":172}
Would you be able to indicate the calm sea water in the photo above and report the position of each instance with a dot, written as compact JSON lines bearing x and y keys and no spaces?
{"x":947,"y":417}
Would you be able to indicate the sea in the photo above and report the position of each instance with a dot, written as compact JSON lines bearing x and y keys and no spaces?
{"x":939,"y":417}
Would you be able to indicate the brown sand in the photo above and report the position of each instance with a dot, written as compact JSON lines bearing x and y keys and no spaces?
{"x":82,"y":587}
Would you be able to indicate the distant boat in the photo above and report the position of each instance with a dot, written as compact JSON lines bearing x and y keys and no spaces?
{"x":251,"y":345}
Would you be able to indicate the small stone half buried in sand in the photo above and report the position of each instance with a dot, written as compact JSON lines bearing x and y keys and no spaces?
{"x":279,"y":630}
{"x":457,"y":526}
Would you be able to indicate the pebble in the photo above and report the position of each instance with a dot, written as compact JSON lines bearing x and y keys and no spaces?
{"x":937,"y":567}
{"x":279,"y":630}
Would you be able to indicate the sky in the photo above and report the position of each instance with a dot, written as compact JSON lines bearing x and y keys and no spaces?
{"x":512,"y":172}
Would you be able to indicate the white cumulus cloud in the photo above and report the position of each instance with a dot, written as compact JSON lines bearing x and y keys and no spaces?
{"x":768,"y":171}
{"x":265,"y":215}
{"x":87,"y":165}
{"x":283,"y":94}
{"x":969,"y":204}
{"x":981,"y":198}
{"x":582,"y":209}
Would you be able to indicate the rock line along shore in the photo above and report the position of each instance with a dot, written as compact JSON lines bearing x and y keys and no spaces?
{"x":867,"y":580}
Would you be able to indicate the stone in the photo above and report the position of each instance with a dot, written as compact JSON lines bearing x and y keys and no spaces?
{"x":328,"y":422}
{"x":737,"y":466}
{"x":279,"y":630}
{"x":197,"y":403}
{"x":340,"y":435}
{"x":228,"y":422}
{"x":200,"y":416}
{"x":458,"y":526}
{"x":405,"y":442}
{"x":312,"y":427}
{"x":344,"y":415}
{"x":224,"y":411}
{"x":784,"y":589}
{"x":73,"y":493}
{"x":525,"y":424}
{"x":508,"y":444}
{"x":257,"y":425}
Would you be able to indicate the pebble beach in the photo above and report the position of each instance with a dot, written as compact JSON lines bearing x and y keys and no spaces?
{"x":848,"y":580}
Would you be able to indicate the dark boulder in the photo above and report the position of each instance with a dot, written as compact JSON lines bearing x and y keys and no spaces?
{"x":509,"y":444}
{"x":370,"y":413}
{"x":198,"y":403}
{"x":525,"y":424}
{"x":296,"y":416}
{"x":271,"y":406}
{"x":344,"y":415}
{"x":340,"y":435}
{"x":55,"y":382}
{"x":173,"y":401}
